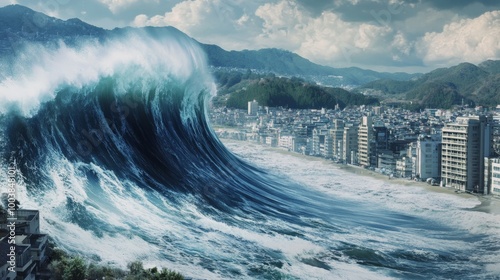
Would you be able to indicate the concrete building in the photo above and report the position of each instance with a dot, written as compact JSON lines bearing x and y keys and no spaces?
{"x":380,"y":144}
{"x":299,"y":144}
{"x":465,"y":144}
{"x":307,"y":149}
{"x":30,"y":246}
{"x":428,"y":157}
{"x":365,"y":135}
{"x":5,"y":274}
{"x":328,"y":149}
{"x":386,"y":161}
{"x":492,"y":176}
{"x":378,"y":110}
{"x":286,"y":141}
{"x":404,"y":167}
{"x":253,"y":107}
{"x":350,"y":144}
{"x":28,"y":222}
{"x":272,"y":141}
{"x":318,"y":141}
{"x":337,"y":134}
{"x":25,"y":265}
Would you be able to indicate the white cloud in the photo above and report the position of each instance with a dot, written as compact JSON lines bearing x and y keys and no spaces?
{"x":211,"y":21}
{"x":326,"y":38}
{"x":141,"y":20}
{"x":472,"y":40}
{"x":401,"y":43}
{"x":193,"y":16}
{"x":365,"y":33}
{"x":115,"y":5}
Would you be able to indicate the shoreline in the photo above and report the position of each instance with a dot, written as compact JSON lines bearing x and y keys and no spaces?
{"x":487,"y":204}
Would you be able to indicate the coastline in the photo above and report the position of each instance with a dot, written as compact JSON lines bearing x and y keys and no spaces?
{"x":487,"y":204}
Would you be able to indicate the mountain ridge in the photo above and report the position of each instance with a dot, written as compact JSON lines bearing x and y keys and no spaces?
{"x":297,"y":65}
{"x":444,"y":87}
{"x":19,"y":23}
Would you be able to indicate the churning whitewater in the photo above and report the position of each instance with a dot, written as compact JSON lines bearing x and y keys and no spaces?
{"x":114,"y":147}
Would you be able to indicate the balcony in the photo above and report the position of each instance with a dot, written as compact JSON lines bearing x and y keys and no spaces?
{"x":454,"y":128}
{"x":455,"y":142}
{"x":452,"y":160}
{"x":456,"y":164}
{"x":454,"y":149}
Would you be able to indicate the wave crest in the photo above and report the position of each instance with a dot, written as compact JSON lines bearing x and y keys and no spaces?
{"x":133,"y":58}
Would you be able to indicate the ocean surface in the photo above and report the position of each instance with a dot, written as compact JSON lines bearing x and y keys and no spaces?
{"x":391,"y":230}
{"x":113,"y":145}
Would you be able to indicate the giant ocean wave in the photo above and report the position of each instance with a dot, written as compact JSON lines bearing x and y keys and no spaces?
{"x":114,"y":147}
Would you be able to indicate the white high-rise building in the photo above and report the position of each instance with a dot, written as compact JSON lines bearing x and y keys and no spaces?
{"x":253,"y":107}
{"x":318,"y":142}
{"x":465,"y":144}
{"x":365,"y":134}
{"x":492,"y":176}
{"x":428,"y":157}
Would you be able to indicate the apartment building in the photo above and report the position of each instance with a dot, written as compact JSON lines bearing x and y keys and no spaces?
{"x":253,"y":107}
{"x":365,"y":134}
{"x":428,"y":157}
{"x":350,"y":144}
{"x":337,"y":135}
{"x":465,"y":144}
{"x":492,"y":176}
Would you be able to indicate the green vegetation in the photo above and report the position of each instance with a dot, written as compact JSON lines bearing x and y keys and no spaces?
{"x":390,"y":86}
{"x":137,"y":272}
{"x":446,"y":87}
{"x":294,"y":93}
{"x":229,"y":81}
{"x":491,"y":66}
{"x":65,"y":267}
{"x":489,"y":91}
{"x":463,"y":76}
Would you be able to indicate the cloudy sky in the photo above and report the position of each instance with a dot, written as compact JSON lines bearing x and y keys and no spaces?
{"x":387,"y":35}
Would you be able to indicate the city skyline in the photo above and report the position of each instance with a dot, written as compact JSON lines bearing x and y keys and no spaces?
{"x":453,"y":148}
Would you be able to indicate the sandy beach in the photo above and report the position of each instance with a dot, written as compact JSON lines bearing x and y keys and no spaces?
{"x":489,"y":204}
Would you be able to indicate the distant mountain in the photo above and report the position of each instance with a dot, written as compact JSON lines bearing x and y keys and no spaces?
{"x":284,"y":62}
{"x":20,"y":24}
{"x":272,"y":60}
{"x":490,"y":66}
{"x":445,"y":87}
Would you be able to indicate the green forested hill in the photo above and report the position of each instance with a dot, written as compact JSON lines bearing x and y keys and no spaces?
{"x":491,"y":66}
{"x":445,"y":87}
{"x":294,"y":93}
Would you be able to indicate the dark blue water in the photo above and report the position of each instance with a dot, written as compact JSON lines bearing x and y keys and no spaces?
{"x":116,"y":151}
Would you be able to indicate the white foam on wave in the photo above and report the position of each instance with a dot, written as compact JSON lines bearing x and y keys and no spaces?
{"x":326,"y":177}
{"x":443,"y":208}
{"x":142,"y":218}
{"x":39,"y":71}
{"x":220,"y":239}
